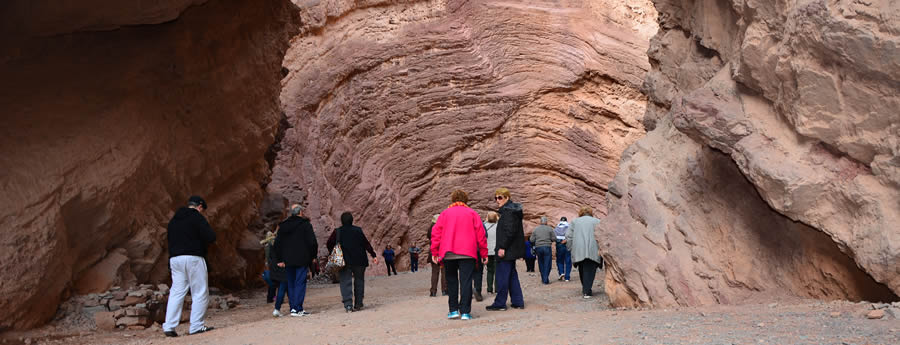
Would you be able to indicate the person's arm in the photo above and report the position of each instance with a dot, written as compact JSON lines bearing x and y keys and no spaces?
{"x":533,"y":237}
{"x":569,"y":234}
{"x":332,"y":241}
{"x":206,"y":231}
{"x":481,"y":239}
{"x":436,"y":232}
{"x":369,"y":246}
{"x":279,"y":242}
{"x":312,"y":243}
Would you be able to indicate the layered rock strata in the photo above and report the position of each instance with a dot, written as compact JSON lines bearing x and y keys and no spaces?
{"x":773,"y":165}
{"x":105,"y":132}
{"x":392,"y":105}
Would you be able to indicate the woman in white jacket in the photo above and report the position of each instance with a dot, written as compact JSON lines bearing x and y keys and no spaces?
{"x":584,"y":249}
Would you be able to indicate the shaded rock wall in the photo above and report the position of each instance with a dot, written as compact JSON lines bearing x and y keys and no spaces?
{"x":106,"y":132}
{"x":772,"y":168}
{"x":392,"y":105}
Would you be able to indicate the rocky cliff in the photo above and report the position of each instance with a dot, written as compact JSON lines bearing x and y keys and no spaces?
{"x":772,"y":166}
{"x":393,"y":104}
{"x":114,"y":112}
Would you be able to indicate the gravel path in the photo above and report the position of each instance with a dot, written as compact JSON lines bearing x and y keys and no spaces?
{"x":399,"y":311}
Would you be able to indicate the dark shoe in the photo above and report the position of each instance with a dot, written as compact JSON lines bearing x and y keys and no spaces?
{"x":478,"y":297}
{"x":358,"y":308}
{"x":518,"y":306}
{"x":445,"y":293}
{"x":495,"y":308}
{"x":204,"y":329}
{"x":170,"y":334}
{"x":433,"y":294}
{"x":348,"y":308}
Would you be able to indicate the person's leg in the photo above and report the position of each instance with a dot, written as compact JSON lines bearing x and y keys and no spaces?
{"x":568,"y":264}
{"x":491,"y":267}
{"x":581,"y":276}
{"x":444,"y":280}
{"x":590,"y":271}
{"x":387,"y":265}
{"x":466,"y":269}
{"x":301,"y":285}
{"x":279,"y":298}
{"x":516,"y":299}
{"x":176,"y":294}
{"x":197,"y":278}
{"x":544,"y":263}
{"x":503,"y":275}
{"x":345,"y":275}
{"x":413,"y":264}
{"x":477,"y":275}
{"x":452,"y":267}
{"x":529,"y":264}
{"x":293,"y":297}
{"x":560,"y":258}
{"x":394,"y":267}
{"x":273,"y":286}
{"x":359,"y":285}
{"x":435,"y":274}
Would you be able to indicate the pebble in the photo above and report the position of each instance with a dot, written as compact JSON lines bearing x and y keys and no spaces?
{"x":875,"y":314}
{"x":773,"y":305}
{"x":835,"y":314}
{"x":761,"y":324}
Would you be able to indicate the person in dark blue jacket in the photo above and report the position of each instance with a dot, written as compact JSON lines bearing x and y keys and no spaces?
{"x":388,"y":254}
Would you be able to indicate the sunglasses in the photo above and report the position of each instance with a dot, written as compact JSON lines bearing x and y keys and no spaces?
{"x":498,"y":197}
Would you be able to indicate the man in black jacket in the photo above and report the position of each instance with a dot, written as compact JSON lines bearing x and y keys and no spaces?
{"x":188,"y":235}
{"x":354,"y":245}
{"x":510,"y":247}
{"x":296,"y":249}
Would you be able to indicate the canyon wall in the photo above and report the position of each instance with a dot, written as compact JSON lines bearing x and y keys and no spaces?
{"x":393,"y":104}
{"x":114,"y":112}
{"x":773,"y":163}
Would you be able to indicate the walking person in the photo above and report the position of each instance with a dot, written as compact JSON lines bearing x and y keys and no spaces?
{"x":510,"y":247}
{"x":354,"y":245}
{"x":414,"y":258}
{"x":490,"y":227}
{"x":437,"y":268}
{"x":188,"y":235}
{"x":277,"y":275}
{"x":458,"y":240}
{"x":585,"y":250}
{"x":563,"y":257}
{"x":529,"y":256}
{"x":543,"y":238}
{"x":296,"y":249}
{"x":388,"y":254}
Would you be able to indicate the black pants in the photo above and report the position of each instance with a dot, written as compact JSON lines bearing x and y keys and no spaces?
{"x":353,"y":290}
{"x":413,"y":264}
{"x":477,"y":277}
{"x":587,"y":270}
{"x":529,"y":264}
{"x":390,"y":265}
{"x":459,"y":284}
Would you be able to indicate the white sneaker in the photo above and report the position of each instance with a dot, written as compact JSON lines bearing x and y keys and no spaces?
{"x":294,"y":312}
{"x":586,"y":296}
{"x":299,"y":313}
{"x":276,"y":313}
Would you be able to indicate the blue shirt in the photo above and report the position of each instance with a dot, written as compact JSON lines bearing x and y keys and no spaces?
{"x":388,"y":255}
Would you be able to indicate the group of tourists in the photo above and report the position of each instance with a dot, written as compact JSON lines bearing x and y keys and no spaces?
{"x":462,"y":247}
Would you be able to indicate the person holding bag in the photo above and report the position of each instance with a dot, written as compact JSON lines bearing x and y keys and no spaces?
{"x":354,"y":245}
{"x":458,"y":240}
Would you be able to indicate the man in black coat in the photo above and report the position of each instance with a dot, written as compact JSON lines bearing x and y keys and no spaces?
{"x":354,"y":244}
{"x":188,"y":234}
{"x":510,"y":247}
{"x":295,"y":249}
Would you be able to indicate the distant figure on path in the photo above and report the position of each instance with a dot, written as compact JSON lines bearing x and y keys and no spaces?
{"x":295,"y":250}
{"x":388,"y":254}
{"x":458,"y":240}
{"x":437,"y":268}
{"x":354,"y":245}
{"x":414,"y":258}
{"x":529,"y":256}
{"x":188,"y":235}
{"x":563,"y":257}
{"x":491,"y":227}
{"x":581,"y":242}
{"x":277,"y":275}
{"x":510,"y":247}
{"x":543,"y":238}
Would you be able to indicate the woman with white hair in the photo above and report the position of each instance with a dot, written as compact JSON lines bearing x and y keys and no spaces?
{"x":585,"y":251}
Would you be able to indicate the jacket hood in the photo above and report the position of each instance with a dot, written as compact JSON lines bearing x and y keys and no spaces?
{"x":184,"y":212}
{"x":513,"y":206}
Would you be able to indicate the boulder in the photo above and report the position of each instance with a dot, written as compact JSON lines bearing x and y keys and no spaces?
{"x":105,"y":320}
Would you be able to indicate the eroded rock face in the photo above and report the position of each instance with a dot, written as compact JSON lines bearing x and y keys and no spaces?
{"x":394,"y":105}
{"x":105,"y":133}
{"x":773,"y":164}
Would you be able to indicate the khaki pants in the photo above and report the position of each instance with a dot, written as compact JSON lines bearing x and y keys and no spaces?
{"x":438,"y":270}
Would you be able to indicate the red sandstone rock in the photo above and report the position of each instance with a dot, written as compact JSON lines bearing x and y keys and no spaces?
{"x":105,"y":133}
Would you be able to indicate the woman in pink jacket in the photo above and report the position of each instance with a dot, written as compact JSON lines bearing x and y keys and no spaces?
{"x":458,"y":239}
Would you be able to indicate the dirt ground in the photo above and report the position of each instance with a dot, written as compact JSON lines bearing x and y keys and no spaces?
{"x":399,"y":311}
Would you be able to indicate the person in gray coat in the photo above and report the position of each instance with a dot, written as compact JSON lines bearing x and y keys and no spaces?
{"x":584,"y":249}
{"x":543,"y":238}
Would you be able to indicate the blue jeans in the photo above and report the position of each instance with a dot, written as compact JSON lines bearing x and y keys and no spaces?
{"x":563,"y":259}
{"x":413,"y":264}
{"x":544,"y":256}
{"x":279,"y":298}
{"x":296,"y":286}
{"x":508,"y":283}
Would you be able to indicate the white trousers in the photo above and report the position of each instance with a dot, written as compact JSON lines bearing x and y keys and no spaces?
{"x":187,"y":272}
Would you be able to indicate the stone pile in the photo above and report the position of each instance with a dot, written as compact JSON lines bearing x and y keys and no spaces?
{"x":139,"y":307}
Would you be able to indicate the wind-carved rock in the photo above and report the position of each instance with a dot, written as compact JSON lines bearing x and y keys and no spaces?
{"x":392,"y":106}
{"x":772,"y":168}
